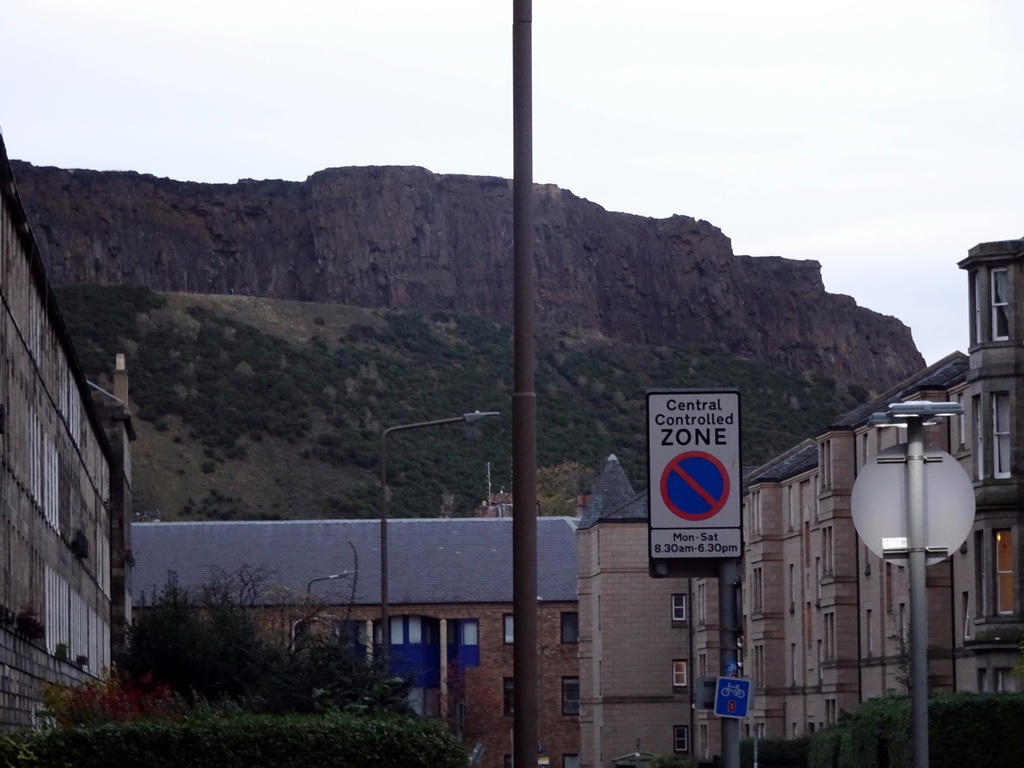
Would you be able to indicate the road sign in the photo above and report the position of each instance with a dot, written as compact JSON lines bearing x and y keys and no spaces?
{"x":733,"y":696}
{"x":693,"y":463}
{"x":878,"y":502}
{"x":695,"y":485}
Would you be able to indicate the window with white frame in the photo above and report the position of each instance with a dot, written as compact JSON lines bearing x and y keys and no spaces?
{"x":1000,"y":434}
{"x":1000,"y":316}
{"x":978,"y":300}
{"x":702,"y":602}
{"x":680,"y":738}
{"x":509,"y":628}
{"x":1005,"y":576}
{"x":679,"y":607}
{"x":679,"y":676}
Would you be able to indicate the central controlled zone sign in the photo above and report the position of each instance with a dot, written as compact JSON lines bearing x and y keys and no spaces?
{"x":693,"y":460}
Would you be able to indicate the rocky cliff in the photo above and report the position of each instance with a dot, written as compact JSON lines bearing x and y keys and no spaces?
{"x":400,"y":237}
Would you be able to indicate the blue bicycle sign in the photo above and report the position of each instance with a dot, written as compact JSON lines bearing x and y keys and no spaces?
{"x":733,"y":697}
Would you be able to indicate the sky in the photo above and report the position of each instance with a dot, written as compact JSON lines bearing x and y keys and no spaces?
{"x":881,"y":138}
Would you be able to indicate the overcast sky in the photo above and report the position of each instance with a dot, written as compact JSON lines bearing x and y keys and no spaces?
{"x":881,"y":138}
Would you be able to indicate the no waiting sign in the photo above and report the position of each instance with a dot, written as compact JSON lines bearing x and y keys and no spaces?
{"x":693,"y":464}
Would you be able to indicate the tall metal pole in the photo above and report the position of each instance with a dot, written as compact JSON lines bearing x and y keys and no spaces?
{"x":524,"y":398}
{"x":728,"y":628}
{"x":918,"y":594}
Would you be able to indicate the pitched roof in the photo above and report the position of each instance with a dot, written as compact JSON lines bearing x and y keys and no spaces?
{"x":439,"y":560}
{"x":941,"y":375}
{"x":796,"y":460}
{"x":613,"y":498}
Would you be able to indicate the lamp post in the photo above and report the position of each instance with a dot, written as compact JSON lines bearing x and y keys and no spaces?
{"x":309,"y":587}
{"x":915,"y":416}
{"x":385,"y":629}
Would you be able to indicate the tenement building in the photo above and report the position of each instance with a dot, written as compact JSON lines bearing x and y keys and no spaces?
{"x":825,"y":621}
{"x":65,"y":491}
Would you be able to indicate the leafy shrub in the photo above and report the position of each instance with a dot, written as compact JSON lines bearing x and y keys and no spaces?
{"x":330,"y":741}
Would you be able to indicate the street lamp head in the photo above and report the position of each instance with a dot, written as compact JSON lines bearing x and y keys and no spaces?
{"x":477,"y":415}
{"x":899,"y":414}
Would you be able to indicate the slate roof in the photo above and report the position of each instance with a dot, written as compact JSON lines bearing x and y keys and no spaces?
{"x":440,"y":560}
{"x":793,"y":462}
{"x":946,"y":373}
{"x":613,"y":498}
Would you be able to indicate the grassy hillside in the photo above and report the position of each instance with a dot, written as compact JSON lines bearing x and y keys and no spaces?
{"x":250,"y":408}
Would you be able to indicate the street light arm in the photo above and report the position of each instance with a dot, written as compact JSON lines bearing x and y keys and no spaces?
{"x":385,"y":619}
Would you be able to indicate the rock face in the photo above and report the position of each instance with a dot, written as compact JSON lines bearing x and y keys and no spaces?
{"x":402,"y":237}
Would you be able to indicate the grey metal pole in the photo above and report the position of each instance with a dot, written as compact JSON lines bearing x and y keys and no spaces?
{"x":524,"y":398}
{"x":728,"y":628}
{"x":918,"y":594}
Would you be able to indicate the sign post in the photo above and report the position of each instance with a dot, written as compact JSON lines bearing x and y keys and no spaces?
{"x":694,"y":493}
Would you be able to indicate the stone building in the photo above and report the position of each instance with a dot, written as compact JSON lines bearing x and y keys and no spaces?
{"x":449,"y":607}
{"x":636,"y":633}
{"x":825,"y":621}
{"x":65,"y":493}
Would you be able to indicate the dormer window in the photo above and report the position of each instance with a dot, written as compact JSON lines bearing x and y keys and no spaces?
{"x":1000,"y":317}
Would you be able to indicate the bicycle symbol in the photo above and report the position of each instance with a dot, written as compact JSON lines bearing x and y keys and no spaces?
{"x":733,"y":689}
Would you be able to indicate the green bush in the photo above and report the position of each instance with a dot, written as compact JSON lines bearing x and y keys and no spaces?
{"x":244,"y":741}
{"x":964,"y":729}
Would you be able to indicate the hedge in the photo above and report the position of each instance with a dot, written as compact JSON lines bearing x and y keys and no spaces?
{"x":246,"y":741}
{"x":964,"y":729}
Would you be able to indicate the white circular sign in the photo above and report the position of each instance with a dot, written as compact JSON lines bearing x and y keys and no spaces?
{"x":879,"y":501}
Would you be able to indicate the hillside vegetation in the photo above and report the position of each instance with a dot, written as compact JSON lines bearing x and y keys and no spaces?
{"x":267,"y":409}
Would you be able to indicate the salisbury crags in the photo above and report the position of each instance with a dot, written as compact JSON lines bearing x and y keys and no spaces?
{"x":405,"y":238}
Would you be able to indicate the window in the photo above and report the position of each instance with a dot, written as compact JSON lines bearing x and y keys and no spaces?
{"x":825,"y":465}
{"x":961,"y":421}
{"x":679,"y":607}
{"x":508,"y":696}
{"x":1000,"y":323}
{"x":1004,"y":572}
{"x":827,"y":550}
{"x":965,"y":602}
{"x":570,"y":695}
{"x":1000,"y":434}
{"x":830,"y":635}
{"x":1004,"y":680}
{"x":702,"y":603}
{"x":570,"y":761}
{"x":979,"y":438}
{"x":570,"y":627}
{"x":869,"y":633}
{"x":680,"y":738}
{"x":679,"y":673}
{"x":470,"y":630}
{"x":509,"y":628}
{"x":507,"y":762}
{"x":757,"y":577}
